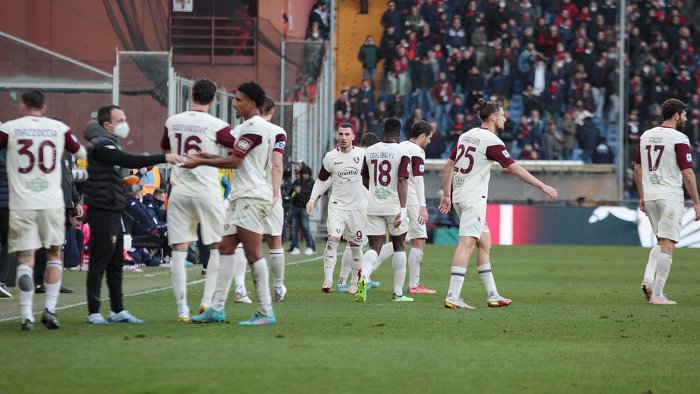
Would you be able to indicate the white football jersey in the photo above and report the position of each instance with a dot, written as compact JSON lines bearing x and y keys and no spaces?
{"x":417,"y":167}
{"x":35,"y":146}
{"x":254,"y":143}
{"x":345,"y":171}
{"x":662,"y":153}
{"x":385,"y":163}
{"x":188,"y":133}
{"x":474,"y":154}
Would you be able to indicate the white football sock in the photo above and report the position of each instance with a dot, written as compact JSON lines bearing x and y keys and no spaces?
{"x":356,"y":263}
{"x":212,"y":274}
{"x":223,"y":282}
{"x":53,"y":289}
{"x":368,"y":263}
{"x":261,"y":280}
{"x":345,"y":266}
{"x":650,"y":270}
{"x":415,"y":260}
{"x":398,"y":264}
{"x":277,"y":265}
{"x":384,"y":253}
{"x":239,"y":264}
{"x":25,"y":286}
{"x":486,"y":277}
{"x":663,"y":267}
{"x":330,"y":255}
{"x":178,"y":276}
{"x":456,"y":282}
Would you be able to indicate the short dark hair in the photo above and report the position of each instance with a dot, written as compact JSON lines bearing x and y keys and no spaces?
{"x":346,"y":125}
{"x":203,"y":91}
{"x":104,"y":114}
{"x":158,"y":191}
{"x":268,"y":105}
{"x":368,"y":139}
{"x":419,"y":128}
{"x":486,"y":108}
{"x":254,"y":92}
{"x":671,"y":107}
{"x":392,"y":127}
{"x":33,"y":99}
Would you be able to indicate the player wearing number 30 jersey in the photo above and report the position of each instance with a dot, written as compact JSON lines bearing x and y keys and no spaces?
{"x":195,"y":198}
{"x":465,"y":185}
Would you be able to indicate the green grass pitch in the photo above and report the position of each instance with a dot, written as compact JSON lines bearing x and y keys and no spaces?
{"x":578,"y":323}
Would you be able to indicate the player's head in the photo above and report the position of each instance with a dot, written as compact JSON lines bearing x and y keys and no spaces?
{"x":368,"y":139}
{"x":110,"y":116}
{"x":249,"y":97}
{"x":675,"y":110}
{"x":267,"y":110}
{"x":421,"y":133}
{"x":31,"y":101}
{"x":203,"y":91}
{"x":392,"y":129}
{"x":345,"y":135}
{"x":490,"y":113}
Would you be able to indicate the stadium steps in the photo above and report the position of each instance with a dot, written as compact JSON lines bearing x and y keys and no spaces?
{"x":352,"y":30}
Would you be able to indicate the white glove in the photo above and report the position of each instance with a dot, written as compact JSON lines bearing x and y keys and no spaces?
{"x":404,"y":216}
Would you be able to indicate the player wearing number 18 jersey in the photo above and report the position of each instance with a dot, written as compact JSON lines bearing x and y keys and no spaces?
{"x":663,"y":164}
{"x":37,"y":212}
{"x":465,"y":183}
{"x":196,"y":196}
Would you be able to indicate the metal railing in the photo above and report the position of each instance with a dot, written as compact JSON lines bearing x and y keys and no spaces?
{"x":213,"y":39}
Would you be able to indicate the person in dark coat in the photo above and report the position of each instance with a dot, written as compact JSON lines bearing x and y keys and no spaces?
{"x":588,"y":137}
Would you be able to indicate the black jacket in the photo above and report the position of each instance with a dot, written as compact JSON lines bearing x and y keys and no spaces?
{"x":300,"y":199}
{"x":4,"y":186}
{"x":103,"y":188}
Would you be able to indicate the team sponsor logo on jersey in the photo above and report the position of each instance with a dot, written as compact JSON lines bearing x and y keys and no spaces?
{"x":348,"y":173}
{"x":381,"y":194}
{"x":37,"y":184}
{"x":243,"y":144}
{"x":506,"y":154}
{"x":689,"y":157}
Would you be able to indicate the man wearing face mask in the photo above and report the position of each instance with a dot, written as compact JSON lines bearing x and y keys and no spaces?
{"x":105,"y":196}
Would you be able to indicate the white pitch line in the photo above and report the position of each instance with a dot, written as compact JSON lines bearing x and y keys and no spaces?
{"x":194,"y":282}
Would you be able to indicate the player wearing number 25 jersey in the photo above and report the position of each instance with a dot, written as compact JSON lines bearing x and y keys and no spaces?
{"x":195,"y":198}
{"x":663,"y":164}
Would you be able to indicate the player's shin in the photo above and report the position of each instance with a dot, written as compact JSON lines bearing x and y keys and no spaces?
{"x":178,"y":275}
{"x":277,"y":265}
{"x":368,"y":261}
{"x":386,"y":252}
{"x":346,"y":266}
{"x":663,"y":267}
{"x":212,"y":275}
{"x":398,"y":264}
{"x":650,"y":269}
{"x":488,"y":281}
{"x":25,"y":285}
{"x":356,"y":263}
{"x":239,"y":264}
{"x":261,"y":280}
{"x":54,"y":274}
{"x":329,"y":261}
{"x":415,"y":260}
{"x":223,"y":281}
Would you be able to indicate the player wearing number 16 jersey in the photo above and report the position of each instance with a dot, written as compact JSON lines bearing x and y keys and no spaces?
{"x":662,"y":166}
{"x":465,"y":183}
{"x":37,"y":212}
{"x":196,"y":196}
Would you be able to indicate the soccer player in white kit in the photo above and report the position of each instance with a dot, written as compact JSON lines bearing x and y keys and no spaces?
{"x":385,"y":172}
{"x":251,"y":198}
{"x":421,"y":133}
{"x":662,"y":166}
{"x":342,"y":169}
{"x":195,"y":197}
{"x":37,"y":212}
{"x":465,"y":183}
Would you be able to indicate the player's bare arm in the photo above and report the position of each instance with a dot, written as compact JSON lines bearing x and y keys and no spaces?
{"x":640,"y":188}
{"x":402,"y":189}
{"x":200,"y":159}
{"x":276,"y":174}
{"x":446,"y":200}
{"x":691,"y":186}
{"x":320,"y":187}
{"x":530,"y":179}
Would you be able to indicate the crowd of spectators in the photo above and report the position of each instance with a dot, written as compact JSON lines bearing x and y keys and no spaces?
{"x":553,"y":65}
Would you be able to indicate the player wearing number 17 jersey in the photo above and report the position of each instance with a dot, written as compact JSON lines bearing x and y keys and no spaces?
{"x":196,"y":196}
{"x":465,"y":183}
{"x":662,"y":166}
{"x":37,"y":212}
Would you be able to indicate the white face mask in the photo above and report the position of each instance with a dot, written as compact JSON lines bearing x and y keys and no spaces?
{"x":121,"y":130}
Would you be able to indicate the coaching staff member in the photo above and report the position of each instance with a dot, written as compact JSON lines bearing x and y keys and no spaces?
{"x":106,"y":200}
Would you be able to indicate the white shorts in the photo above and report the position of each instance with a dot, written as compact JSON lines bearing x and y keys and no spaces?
{"x":472,"y":219}
{"x":185,"y":212}
{"x":665,"y":217}
{"x":247,"y":213}
{"x":32,"y":229}
{"x":415,"y":229}
{"x":379,"y":225}
{"x":349,"y":224}
{"x":275,"y":220}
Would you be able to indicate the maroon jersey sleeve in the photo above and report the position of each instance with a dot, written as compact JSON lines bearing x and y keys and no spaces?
{"x":638,"y":156}
{"x":323,"y":174}
{"x":165,"y":141}
{"x":417,"y":165}
{"x":403,"y":167}
{"x":245,"y":144}
{"x":453,"y":154}
{"x":500,"y":154}
{"x":683,"y":156}
{"x":280,"y":142}
{"x":71,"y":142}
{"x":224,"y":137}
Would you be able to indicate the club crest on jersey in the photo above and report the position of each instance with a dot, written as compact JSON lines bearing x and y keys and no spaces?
{"x":356,"y":159}
{"x":243,"y":144}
